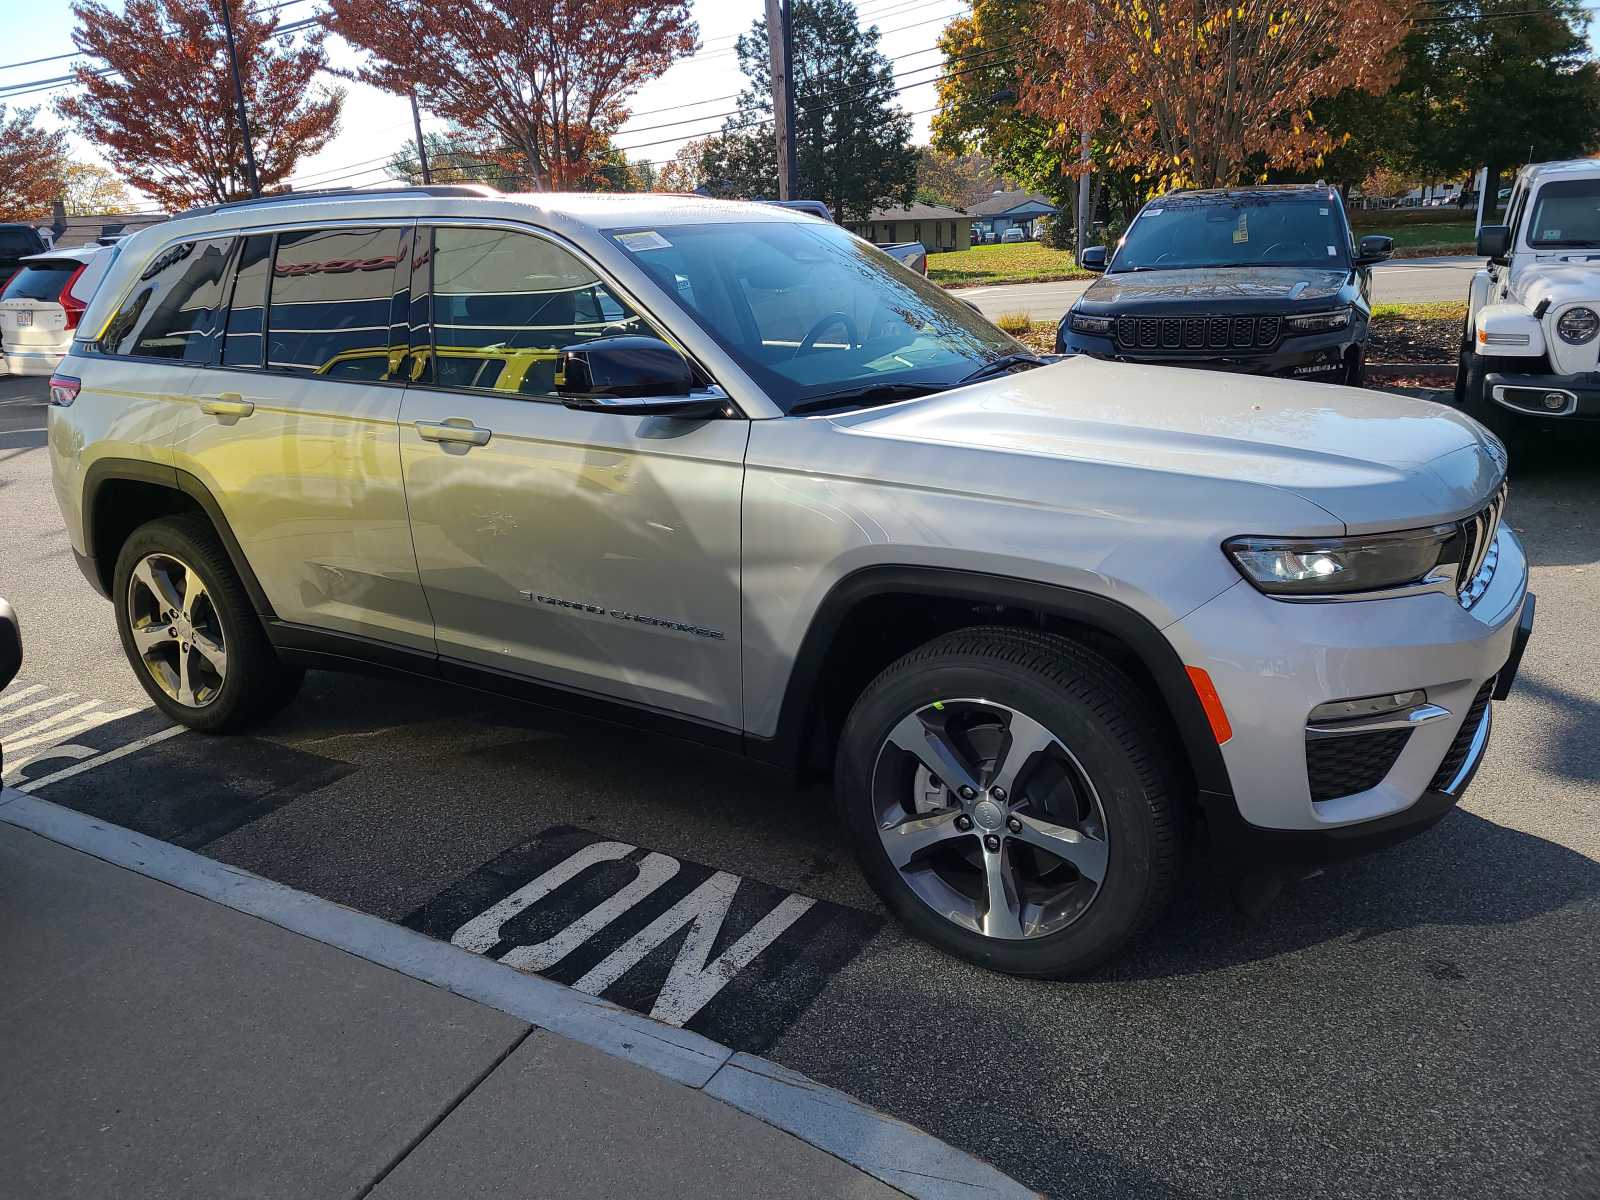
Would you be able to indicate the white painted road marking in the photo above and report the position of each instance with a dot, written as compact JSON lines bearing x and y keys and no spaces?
{"x":36,"y":723}
{"x":694,"y":978}
{"x":98,"y":760}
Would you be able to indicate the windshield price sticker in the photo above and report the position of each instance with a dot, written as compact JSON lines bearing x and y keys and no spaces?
{"x":645,"y":239}
{"x":1241,"y":234}
{"x":1332,"y":252}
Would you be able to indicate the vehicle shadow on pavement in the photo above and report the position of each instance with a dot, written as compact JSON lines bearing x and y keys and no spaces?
{"x":1467,"y":871}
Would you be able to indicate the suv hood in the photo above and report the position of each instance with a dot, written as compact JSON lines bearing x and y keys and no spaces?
{"x":1239,"y":287}
{"x":1373,"y":461}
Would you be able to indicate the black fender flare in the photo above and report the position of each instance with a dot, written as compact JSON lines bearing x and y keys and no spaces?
{"x":1111,"y":617}
{"x":108,"y":470}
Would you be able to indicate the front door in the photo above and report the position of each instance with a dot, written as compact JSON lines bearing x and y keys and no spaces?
{"x":589,"y":550}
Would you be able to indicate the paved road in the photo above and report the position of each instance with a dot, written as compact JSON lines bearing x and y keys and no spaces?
{"x":1419,"y":1023}
{"x":1404,"y":280}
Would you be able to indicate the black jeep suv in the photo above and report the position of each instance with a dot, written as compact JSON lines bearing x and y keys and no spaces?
{"x":1265,"y":279}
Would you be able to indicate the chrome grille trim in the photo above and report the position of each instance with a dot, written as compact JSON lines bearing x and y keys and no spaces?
{"x":1479,"y":554}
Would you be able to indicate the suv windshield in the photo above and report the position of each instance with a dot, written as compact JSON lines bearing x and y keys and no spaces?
{"x":1567,"y":213}
{"x":811,"y":313}
{"x":1258,"y":229}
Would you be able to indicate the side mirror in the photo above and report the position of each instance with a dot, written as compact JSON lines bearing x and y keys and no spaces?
{"x":1375,"y":248}
{"x":1494,"y":241}
{"x":632,"y":375}
{"x":10,"y":644}
{"x":1094,"y":259}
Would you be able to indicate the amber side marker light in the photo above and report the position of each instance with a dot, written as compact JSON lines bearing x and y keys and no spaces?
{"x":1211,"y":702}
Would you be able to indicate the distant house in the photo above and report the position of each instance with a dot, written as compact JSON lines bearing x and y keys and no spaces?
{"x":1002,"y":210}
{"x":936,"y":227}
{"x":86,"y":230}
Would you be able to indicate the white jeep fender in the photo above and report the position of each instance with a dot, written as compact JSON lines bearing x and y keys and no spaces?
{"x":1477,"y":294}
{"x":1507,"y":331}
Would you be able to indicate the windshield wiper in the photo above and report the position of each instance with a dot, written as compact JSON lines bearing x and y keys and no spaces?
{"x":1001,"y":365}
{"x":872,"y":393}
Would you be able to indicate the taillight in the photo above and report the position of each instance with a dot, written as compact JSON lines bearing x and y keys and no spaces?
{"x":64,"y":390}
{"x":7,"y":283}
{"x":73,"y":306}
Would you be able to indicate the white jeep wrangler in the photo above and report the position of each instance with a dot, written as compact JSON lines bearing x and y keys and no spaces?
{"x":1532,"y":335}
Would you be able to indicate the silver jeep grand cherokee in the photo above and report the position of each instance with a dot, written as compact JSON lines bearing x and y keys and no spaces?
{"x":727,"y":471}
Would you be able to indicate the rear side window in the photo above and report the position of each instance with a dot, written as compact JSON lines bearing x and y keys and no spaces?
{"x":14,"y":243}
{"x":246,"y":315}
{"x":171,"y":312}
{"x":329,"y":302}
{"x":40,"y":280}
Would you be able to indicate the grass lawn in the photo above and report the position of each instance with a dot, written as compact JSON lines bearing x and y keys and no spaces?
{"x":1446,"y":235}
{"x":1437,"y":310}
{"x":1003,"y":262}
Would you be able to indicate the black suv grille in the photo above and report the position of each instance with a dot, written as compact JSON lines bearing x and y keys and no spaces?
{"x":1200,"y":334}
{"x":1457,"y":754}
{"x":1343,"y":766}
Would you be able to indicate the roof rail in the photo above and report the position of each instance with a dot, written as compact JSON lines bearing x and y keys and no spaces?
{"x":346,"y":193}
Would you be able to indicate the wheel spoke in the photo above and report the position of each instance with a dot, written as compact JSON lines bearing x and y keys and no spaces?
{"x":159,"y":586}
{"x":934,"y":751}
{"x":212,"y":652}
{"x":1003,"y":916}
{"x":185,"y":686}
{"x":1025,"y":737}
{"x":193,"y":590}
{"x":148,"y":637}
{"x":911,"y":837}
{"x":1085,"y":853}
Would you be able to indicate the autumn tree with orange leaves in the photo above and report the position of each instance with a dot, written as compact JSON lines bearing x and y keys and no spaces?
{"x":33,"y":165}
{"x":1193,"y":93}
{"x":165,"y":112}
{"x":550,"y":78}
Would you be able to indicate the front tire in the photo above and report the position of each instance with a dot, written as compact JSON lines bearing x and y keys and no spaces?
{"x":190,"y":632}
{"x":1010,"y":797}
{"x":1472,"y":397}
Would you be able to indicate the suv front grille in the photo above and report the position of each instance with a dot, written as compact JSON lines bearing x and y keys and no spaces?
{"x":1479,"y":554}
{"x":1200,"y":333}
{"x":1457,"y":754}
{"x":1343,"y":766}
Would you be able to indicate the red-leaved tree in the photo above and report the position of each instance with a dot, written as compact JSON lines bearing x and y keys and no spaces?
{"x":550,"y":78}
{"x":33,"y":164}
{"x":1203,"y":92}
{"x":165,"y":112}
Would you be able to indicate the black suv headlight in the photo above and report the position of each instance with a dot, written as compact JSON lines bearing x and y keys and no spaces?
{"x":1578,"y":326}
{"x":1318,"y":322}
{"x":1083,"y":323}
{"x":1339,"y":566}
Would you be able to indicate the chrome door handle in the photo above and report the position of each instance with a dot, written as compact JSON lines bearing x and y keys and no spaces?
{"x":445,"y":431}
{"x":229,"y":404}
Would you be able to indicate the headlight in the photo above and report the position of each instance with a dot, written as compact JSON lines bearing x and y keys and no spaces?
{"x":1340,"y":566}
{"x":1318,"y":322}
{"x":1082,"y":323}
{"x":1577,"y":326}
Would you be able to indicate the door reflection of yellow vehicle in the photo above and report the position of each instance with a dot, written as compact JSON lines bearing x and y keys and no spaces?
{"x":501,"y":368}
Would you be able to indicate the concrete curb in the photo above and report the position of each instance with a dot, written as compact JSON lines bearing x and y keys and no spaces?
{"x":900,"y":1155}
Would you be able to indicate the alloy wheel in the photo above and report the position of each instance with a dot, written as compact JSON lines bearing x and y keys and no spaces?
{"x":176,"y":630}
{"x":990,"y":819}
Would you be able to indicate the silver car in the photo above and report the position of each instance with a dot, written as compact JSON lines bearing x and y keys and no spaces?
{"x":727,"y":471}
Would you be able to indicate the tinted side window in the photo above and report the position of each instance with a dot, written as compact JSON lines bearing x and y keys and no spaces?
{"x":329,"y":302}
{"x":171,"y":312}
{"x":504,"y":305}
{"x":16,"y":242}
{"x":242,"y":345}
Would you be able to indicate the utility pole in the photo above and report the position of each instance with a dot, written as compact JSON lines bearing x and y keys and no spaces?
{"x":782,"y":94}
{"x":1083,"y":200}
{"x":422,"y":149}
{"x":238,"y":95}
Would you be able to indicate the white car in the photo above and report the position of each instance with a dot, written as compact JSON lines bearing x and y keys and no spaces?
{"x":1014,"y":234}
{"x":41,"y":304}
{"x":1530,"y":349}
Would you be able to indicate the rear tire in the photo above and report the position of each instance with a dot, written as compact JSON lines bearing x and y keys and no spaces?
{"x":190,"y":632}
{"x":1085,"y":770}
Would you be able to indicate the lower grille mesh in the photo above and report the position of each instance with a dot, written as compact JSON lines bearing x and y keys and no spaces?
{"x":1343,"y":766}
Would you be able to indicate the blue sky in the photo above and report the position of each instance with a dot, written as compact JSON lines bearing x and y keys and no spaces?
{"x":688,"y":101}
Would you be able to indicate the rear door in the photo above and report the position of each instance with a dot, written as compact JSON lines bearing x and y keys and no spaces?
{"x":591,"y":550}
{"x":292,"y":427}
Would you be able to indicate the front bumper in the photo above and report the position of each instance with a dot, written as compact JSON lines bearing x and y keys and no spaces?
{"x":1323,"y":356}
{"x":1273,"y":662}
{"x":1526,"y":395}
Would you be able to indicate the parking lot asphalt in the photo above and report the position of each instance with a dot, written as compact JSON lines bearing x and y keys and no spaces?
{"x":1417,"y":1023}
